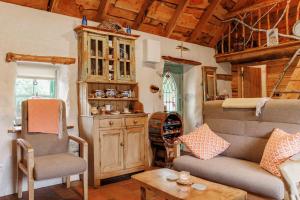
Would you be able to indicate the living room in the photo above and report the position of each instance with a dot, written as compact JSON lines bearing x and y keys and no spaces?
{"x":136,"y":84}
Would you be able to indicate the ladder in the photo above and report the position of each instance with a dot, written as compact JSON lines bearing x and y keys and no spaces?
{"x":291,"y":89}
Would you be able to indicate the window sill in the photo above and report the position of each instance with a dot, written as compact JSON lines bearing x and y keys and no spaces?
{"x":17,"y":129}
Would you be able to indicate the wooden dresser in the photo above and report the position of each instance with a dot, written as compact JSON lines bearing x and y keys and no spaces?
{"x":118,"y":144}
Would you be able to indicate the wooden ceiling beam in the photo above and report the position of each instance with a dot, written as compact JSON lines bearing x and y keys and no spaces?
{"x":51,"y":5}
{"x":179,"y":11}
{"x":102,"y":10}
{"x":204,"y":20}
{"x":142,"y":14}
{"x":253,"y":7}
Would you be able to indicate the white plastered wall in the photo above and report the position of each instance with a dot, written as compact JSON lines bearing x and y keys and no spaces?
{"x":31,"y":31}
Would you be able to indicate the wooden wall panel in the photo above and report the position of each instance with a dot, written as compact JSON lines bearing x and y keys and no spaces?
{"x":274,"y":69}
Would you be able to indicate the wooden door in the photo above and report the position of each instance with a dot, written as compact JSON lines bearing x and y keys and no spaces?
{"x":134,"y":149}
{"x":252,"y":82}
{"x":111,"y":150}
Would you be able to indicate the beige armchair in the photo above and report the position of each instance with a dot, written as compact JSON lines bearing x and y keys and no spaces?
{"x":43,"y":156}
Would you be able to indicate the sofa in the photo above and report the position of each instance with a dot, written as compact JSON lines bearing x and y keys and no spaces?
{"x":239,"y":166}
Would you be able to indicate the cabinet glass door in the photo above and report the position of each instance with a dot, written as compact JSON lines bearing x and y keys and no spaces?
{"x":97,"y":57}
{"x":125,"y":60}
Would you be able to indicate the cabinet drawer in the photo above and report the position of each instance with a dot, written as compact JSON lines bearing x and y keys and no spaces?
{"x":110,"y":123}
{"x":135,"y":121}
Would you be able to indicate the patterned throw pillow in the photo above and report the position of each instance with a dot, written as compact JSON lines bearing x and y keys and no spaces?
{"x":204,"y":143}
{"x":280,"y":147}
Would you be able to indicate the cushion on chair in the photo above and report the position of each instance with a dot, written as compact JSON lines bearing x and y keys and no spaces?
{"x":57,"y":165}
{"x":245,"y":175}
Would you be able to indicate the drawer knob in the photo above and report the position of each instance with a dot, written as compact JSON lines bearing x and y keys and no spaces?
{"x":111,"y":123}
{"x":121,"y":144}
{"x":135,"y":121}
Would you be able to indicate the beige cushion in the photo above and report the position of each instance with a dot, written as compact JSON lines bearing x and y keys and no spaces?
{"x":57,"y":165}
{"x":248,"y":176}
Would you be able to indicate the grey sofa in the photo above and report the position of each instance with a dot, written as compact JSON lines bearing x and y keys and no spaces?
{"x":239,"y":166}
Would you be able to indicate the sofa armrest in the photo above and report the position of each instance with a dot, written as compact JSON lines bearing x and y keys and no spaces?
{"x":290,"y":171}
{"x":83,"y":146}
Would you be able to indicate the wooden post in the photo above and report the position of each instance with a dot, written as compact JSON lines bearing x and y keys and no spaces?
{"x":268,"y":21}
{"x":229,"y":38}
{"x":251,"y":23}
{"x":259,"y":27}
{"x":298,"y":11}
{"x":287,"y":18}
{"x":222,"y":44}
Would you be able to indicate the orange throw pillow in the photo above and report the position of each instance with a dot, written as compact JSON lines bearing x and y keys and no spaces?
{"x":204,"y":143}
{"x":280,"y":147}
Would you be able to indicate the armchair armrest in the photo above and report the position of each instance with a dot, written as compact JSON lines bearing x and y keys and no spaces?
{"x":25,"y":145}
{"x":83,"y":146}
{"x":290,"y":171}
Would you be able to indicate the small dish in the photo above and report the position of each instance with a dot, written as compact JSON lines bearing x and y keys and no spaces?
{"x":172,"y":177}
{"x":126,"y":112}
{"x":199,"y":186}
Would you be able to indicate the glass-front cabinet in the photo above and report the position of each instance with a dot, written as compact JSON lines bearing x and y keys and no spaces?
{"x":97,"y":57}
{"x":106,"y":56}
{"x":125,"y":64}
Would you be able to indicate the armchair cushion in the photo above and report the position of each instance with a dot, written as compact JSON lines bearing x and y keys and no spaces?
{"x":57,"y":165}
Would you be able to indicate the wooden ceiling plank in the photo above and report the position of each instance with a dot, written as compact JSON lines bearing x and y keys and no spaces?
{"x":224,"y":27}
{"x":142,"y":14}
{"x":204,"y":20}
{"x":102,"y":10}
{"x":179,"y":11}
{"x":253,"y":7}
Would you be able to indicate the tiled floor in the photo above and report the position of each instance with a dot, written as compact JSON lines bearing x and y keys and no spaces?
{"x":124,"y":190}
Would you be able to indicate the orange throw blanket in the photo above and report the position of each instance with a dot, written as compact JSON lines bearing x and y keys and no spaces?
{"x":43,"y":116}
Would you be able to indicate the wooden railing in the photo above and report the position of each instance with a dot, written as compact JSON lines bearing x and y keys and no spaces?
{"x":248,"y":28}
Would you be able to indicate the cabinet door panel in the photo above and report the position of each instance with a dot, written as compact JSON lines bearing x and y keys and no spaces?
{"x":97,"y":54}
{"x":134,"y":147}
{"x":125,"y":65}
{"x":111,"y":150}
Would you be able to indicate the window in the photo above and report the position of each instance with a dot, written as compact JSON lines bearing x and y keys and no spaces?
{"x":34,"y":81}
{"x":169,"y":92}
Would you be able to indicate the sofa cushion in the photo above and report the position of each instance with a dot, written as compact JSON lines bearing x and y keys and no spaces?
{"x":245,"y":175}
{"x":57,"y":165}
{"x":204,"y":143}
{"x":280,"y":147}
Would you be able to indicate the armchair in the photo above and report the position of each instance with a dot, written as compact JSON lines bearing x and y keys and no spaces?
{"x":43,"y":156}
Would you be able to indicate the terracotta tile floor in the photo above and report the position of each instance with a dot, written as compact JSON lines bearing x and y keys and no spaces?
{"x":123,"y":190}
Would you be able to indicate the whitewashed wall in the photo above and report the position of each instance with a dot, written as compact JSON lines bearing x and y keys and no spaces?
{"x":31,"y":31}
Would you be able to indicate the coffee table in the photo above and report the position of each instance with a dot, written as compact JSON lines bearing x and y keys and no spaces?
{"x":156,"y":182}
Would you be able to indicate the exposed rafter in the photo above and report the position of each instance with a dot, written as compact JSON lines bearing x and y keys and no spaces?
{"x":51,"y":5}
{"x":102,"y":9}
{"x":179,"y":11}
{"x":142,"y":14}
{"x":256,"y":6}
{"x":224,"y":27}
{"x":204,"y":20}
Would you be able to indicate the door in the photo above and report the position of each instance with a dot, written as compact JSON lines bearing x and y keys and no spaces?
{"x":97,"y":57}
{"x":173,"y":87}
{"x":111,"y":150}
{"x":125,"y":64}
{"x":134,"y":147}
{"x":252,"y":86}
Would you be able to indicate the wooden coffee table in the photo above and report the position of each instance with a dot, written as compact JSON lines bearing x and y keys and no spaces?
{"x":156,"y":182}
